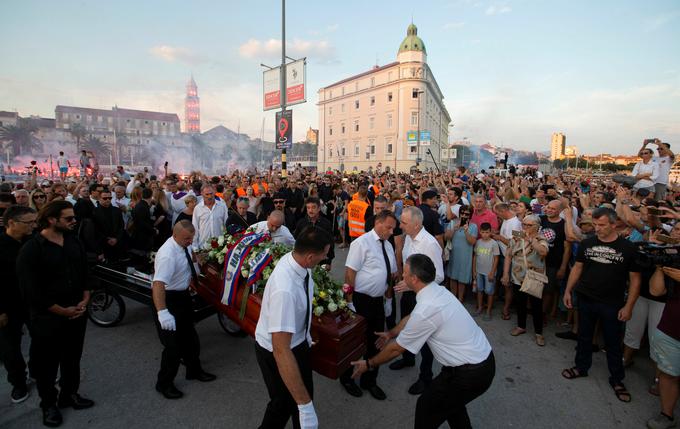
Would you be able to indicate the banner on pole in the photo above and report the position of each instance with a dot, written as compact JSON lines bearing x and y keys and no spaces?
{"x":412,"y":138}
{"x":284,"y":129}
{"x":296,"y":75}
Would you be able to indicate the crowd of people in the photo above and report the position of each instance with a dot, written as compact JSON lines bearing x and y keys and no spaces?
{"x":586,"y":252}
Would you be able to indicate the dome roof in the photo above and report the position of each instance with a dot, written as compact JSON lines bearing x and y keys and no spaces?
{"x":412,"y":42}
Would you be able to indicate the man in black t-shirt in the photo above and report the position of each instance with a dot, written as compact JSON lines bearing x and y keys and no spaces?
{"x":559,"y":252}
{"x":431,"y":223}
{"x":604,"y":265}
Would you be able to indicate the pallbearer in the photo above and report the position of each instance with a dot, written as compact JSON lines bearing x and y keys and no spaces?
{"x":173,"y":271}
{"x":282,"y":335}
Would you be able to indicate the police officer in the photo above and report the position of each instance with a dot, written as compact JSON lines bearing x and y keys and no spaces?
{"x":57,"y":297}
{"x":173,"y":271}
{"x":282,"y":334}
{"x":441,"y":321}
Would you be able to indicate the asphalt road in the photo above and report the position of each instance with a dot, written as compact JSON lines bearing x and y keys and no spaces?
{"x":119,"y":367}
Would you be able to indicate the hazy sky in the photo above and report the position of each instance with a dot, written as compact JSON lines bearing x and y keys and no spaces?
{"x":606,"y":73}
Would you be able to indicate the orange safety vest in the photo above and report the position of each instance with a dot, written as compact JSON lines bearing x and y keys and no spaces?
{"x":240,"y":192}
{"x":355,"y":196}
{"x":376,"y":190}
{"x":356,"y":211}
{"x":260,"y":188}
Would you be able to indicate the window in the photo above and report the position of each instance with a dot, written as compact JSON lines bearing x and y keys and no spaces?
{"x":414,"y":118}
{"x":389,"y":120}
{"x":412,"y":149}
{"x":356,"y":150}
{"x":372,"y":149}
{"x":372,"y":101}
{"x":343,"y":151}
{"x":342,"y":108}
{"x":343,"y":90}
{"x":356,"y":125}
{"x":372,"y":82}
{"x":342,"y":129}
{"x":330,"y":111}
{"x":389,"y":148}
{"x":414,"y":93}
{"x":389,"y":97}
{"x":64,"y":116}
{"x":356,"y":104}
{"x":330,"y":130}
{"x":368,"y":155}
{"x":371,"y":123}
{"x":163,"y":124}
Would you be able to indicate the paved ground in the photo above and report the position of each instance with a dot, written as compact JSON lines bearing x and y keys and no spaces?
{"x":120,"y":365}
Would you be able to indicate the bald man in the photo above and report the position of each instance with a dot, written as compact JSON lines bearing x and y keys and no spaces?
{"x":174,"y":268}
{"x":275,"y":227}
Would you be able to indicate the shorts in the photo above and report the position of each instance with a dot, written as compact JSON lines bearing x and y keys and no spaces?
{"x":485,"y":284}
{"x":63,"y":169}
{"x":660,"y":191}
{"x":646,"y":314}
{"x":665,"y":352}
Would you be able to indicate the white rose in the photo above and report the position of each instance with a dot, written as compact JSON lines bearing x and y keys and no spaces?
{"x":332,"y":307}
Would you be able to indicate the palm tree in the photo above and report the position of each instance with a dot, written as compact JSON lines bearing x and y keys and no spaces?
{"x":20,"y":138}
{"x":95,"y":145}
{"x":78,"y":132}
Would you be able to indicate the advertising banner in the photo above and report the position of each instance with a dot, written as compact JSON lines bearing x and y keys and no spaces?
{"x":284,"y":129}
{"x":296,"y":91}
{"x":412,"y":138}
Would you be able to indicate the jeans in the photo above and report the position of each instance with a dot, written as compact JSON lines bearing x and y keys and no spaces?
{"x":589,"y":312}
{"x":10,"y":350}
{"x":521,"y":299}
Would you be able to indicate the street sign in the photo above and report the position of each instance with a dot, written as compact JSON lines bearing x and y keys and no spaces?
{"x":295,"y":85}
{"x":284,"y":129}
{"x":412,"y":138}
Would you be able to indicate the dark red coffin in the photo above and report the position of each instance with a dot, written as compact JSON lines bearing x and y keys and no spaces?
{"x":339,"y":337}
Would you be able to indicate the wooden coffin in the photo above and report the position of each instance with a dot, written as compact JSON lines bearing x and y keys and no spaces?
{"x":340,"y":337}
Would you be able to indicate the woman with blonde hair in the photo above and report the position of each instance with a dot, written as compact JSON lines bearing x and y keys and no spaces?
{"x":135,"y":196}
{"x":37,"y":199}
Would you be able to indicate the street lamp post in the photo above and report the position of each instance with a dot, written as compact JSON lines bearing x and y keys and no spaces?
{"x":420,"y":91}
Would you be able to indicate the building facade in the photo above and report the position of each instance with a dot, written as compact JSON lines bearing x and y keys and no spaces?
{"x":192,"y":109}
{"x":557,"y":146}
{"x":371,"y":120}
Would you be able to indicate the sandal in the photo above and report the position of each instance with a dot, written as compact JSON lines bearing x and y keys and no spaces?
{"x":518,"y":331}
{"x":572,"y":373}
{"x":540,"y":340}
{"x":505,"y":316}
{"x":621,"y":393}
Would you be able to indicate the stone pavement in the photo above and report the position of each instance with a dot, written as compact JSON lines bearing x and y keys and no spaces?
{"x":120,"y":365}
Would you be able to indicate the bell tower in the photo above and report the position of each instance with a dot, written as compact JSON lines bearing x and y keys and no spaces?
{"x":192,"y":109}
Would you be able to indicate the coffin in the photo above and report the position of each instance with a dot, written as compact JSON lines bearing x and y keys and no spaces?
{"x":340,"y":337}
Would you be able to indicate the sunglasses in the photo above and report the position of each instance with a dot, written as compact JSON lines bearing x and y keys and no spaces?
{"x":39,"y":196}
{"x":647,"y":153}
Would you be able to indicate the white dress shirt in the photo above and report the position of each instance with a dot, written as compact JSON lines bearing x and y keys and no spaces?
{"x":284,"y":304}
{"x":508,"y":225}
{"x":209,"y":222}
{"x":441,"y":320}
{"x":171,"y":266}
{"x":665,"y":164}
{"x":281,"y":235}
{"x":427,"y":245}
{"x":366,"y":258}
{"x":641,"y":168}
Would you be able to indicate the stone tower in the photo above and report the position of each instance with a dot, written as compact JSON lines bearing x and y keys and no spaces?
{"x":192,"y":109}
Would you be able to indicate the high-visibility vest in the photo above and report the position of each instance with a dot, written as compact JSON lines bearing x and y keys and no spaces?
{"x":355,"y":196}
{"x":356,"y":211}
{"x":260,"y":188}
{"x":240,"y":192}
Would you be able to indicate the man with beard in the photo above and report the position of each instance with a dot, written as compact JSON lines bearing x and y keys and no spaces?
{"x":57,"y":298}
{"x":109,"y":226}
{"x":20,"y":222}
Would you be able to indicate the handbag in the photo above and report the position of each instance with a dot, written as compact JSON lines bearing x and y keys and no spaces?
{"x":533,"y":280}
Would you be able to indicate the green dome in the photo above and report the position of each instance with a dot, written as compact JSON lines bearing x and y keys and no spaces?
{"x":412,"y":42}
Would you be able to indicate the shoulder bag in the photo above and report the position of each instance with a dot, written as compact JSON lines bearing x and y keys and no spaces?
{"x":533,"y":280}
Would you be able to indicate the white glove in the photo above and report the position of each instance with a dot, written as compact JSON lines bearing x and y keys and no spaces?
{"x":308,"y":419}
{"x":388,"y":307}
{"x":350,"y":305}
{"x":167,"y":320}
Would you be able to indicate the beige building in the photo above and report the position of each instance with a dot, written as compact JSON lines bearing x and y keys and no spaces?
{"x":570,"y":151}
{"x":370,"y":120}
{"x":557,"y":146}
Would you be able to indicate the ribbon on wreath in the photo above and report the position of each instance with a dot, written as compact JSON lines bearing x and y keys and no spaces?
{"x":258,"y":265}
{"x":234,"y":261}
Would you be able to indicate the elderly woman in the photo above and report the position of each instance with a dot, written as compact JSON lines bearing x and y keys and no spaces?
{"x":188,"y":212}
{"x":527,"y":252}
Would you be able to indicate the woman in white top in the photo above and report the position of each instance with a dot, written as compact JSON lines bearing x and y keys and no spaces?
{"x":646,"y":172}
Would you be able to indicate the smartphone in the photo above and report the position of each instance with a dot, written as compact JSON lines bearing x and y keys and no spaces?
{"x":664,"y":238}
{"x":518,"y":234}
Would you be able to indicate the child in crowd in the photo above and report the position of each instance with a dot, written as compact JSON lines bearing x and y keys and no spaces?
{"x":484,"y":266}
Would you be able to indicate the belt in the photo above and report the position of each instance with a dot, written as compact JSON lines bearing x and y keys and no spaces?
{"x":468,"y":366}
{"x":177,"y":292}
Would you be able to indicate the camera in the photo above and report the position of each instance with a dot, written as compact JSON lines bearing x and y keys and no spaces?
{"x":650,"y":255}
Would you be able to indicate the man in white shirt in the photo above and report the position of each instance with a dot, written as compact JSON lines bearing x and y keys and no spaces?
{"x":510,"y":223}
{"x":441,"y":321}
{"x":418,"y":240}
{"x":665,"y":161}
{"x":122,"y":202}
{"x":283,"y":337}
{"x":370,"y":266}
{"x":62,"y":164}
{"x":209,"y":219}
{"x":174,"y":268}
{"x":275,"y":227}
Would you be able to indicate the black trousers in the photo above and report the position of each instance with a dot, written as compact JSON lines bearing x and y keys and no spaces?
{"x":445,"y":399}
{"x":56,"y":346}
{"x":10,"y":349}
{"x":182,"y":343}
{"x":282,"y":406}
{"x":373,"y":310}
{"x":407,"y":304}
{"x":521,"y":299}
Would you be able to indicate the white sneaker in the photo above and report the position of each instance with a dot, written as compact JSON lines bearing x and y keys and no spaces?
{"x":661,"y":422}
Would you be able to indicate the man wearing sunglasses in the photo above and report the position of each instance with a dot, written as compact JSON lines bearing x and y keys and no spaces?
{"x":57,"y":298}
{"x":664,"y":160}
{"x":279,"y":200}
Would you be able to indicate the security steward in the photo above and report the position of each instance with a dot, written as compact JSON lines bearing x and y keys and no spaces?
{"x":441,"y":321}
{"x":283,"y":337}
{"x":173,"y":271}
{"x":57,"y":298}
{"x":357,"y":209}
{"x":369,"y":269}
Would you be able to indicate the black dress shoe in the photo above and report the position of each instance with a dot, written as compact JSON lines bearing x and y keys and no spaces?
{"x":401,"y":364}
{"x":377,"y":392}
{"x":352,"y":388}
{"x":52,"y":416}
{"x":418,"y":387}
{"x":202,"y":376}
{"x":170,"y":392}
{"x":75,"y":401}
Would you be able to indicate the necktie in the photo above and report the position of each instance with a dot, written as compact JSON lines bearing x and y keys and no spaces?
{"x":387,"y":262}
{"x":191,"y":265}
{"x":307,"y":301}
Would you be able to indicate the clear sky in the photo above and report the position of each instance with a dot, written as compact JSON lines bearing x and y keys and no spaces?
{"x":606,"y":73}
